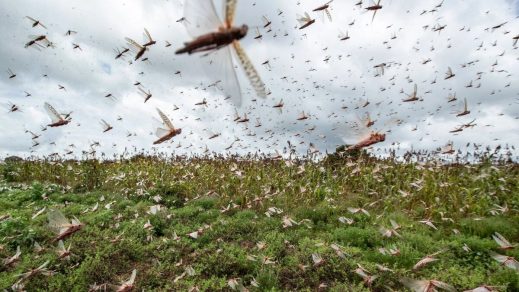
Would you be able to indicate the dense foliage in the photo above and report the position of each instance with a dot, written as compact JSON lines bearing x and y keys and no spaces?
{"x":265,"y":224}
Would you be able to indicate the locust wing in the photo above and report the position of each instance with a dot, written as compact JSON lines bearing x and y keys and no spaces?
{"x":444,"y":286}
{"x":449,"y":71}
{"x":353,"y":133}
{"x":414,"y":285}
{"x":165,"y":120}
{"x":43,"y":266}
{"x":160,"y":132}
{"x":201,"y":17}
{"x":36,"y":21}
{"x":361,"y":273}
{"x":303,"y":19}
{"x":222,"y":66}
{"x":148,"y":36}
{"x":230,"y":12}
{"x":132,"y":278}
{"x":501,"y":240}
{"x":57,"y":220}
{"x":53,"y":113}
{"x":134,"y":46}
{"x":447,"y":148}
{"x":507,"y":261}
{"x":143,"y":93}
{"x":250,"y":71}
{"x":104,"y":124}
{"x":31,"y":19}
{"x":266,"y":21}
{"x":75,"y":221}
{"x":364,"y":120}
{"x":61,"y":246}
{"x":328,"y":14}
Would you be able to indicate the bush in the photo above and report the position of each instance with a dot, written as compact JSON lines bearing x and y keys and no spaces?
{"x":173,"y":196}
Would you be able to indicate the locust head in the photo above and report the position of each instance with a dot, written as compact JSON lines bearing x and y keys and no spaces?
{"x":240,"y":32}
{"x":378,"y":137}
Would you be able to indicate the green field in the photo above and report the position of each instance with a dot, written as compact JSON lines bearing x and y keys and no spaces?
{"x":260,"y":225}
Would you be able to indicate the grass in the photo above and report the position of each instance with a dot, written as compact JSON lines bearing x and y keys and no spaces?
{"x":228,"y":201}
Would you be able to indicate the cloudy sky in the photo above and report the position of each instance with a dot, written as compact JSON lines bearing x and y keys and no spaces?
{"x":311,"y":70}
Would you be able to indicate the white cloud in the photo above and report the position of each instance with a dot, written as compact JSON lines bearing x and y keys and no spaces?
{"x":298,"y":74}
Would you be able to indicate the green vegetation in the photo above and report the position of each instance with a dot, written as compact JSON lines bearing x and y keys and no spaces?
{"x":240,"y":213}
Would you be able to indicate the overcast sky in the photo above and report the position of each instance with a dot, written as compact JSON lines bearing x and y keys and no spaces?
{"x":312,"y":70}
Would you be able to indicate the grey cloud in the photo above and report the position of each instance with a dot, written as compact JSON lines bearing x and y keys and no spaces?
{"x":317,"y":87}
